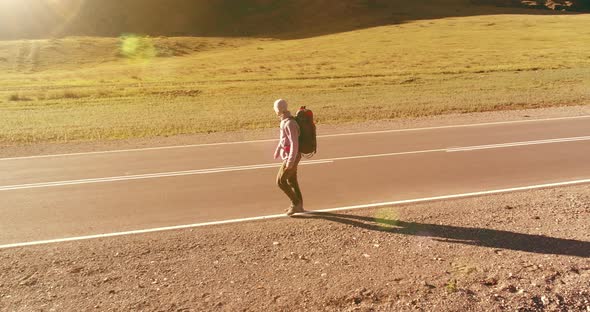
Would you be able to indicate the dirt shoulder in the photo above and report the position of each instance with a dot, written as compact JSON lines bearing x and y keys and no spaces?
{"x":527,"y":251}
{"x":442,"y":120}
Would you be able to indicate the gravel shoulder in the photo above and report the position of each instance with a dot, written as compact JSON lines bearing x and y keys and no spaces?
{"x":526,"y":251}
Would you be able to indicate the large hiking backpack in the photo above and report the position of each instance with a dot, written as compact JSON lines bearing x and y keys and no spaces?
{"x":307,"y":136}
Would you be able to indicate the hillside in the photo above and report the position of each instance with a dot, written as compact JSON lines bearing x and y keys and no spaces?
{"x":22,"y":19}
{"x":88,"y":88}
{"x":376,"y":59}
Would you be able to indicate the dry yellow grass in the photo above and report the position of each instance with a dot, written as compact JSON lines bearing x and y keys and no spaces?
{"x":108,"y":88}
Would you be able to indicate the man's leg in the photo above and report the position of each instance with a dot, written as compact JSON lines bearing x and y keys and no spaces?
{"x":282,"y":181}
{"x":294,"y":183}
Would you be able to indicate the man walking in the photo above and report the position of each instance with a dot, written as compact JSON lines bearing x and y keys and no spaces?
{"x":288,"y":150}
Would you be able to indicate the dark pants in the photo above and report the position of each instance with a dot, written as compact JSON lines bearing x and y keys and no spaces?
{"x":287,"y":181}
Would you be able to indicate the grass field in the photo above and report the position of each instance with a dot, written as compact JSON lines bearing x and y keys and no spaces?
{"x":83,"y":88}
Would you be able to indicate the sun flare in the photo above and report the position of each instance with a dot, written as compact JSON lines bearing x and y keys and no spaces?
{"x":48,"y":17}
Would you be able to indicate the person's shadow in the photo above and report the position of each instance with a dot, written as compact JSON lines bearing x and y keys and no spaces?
{"x":463,"y":235}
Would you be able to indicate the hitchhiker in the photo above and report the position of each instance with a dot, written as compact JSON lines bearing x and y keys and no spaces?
{"x":288,"y":151}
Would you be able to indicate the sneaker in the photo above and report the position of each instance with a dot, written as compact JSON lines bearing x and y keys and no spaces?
{"x":295,"y":209}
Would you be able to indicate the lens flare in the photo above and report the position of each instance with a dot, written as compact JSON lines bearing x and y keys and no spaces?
{"x":386,"y":218}
{"x":137,"y":48}
{"x":40,"y":18}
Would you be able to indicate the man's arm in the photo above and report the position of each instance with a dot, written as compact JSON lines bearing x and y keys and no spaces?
{"x":293,"y":137}
{"x":277,"y":150}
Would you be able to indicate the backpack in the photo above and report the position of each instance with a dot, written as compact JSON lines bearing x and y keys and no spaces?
{"x":307,"y":134}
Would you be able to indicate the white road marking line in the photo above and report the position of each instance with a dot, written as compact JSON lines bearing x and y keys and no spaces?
{"x":523,"y":143}
{"x":138,"y":149}
{"x":151,"y":176}
{"x":275,"y":140}
{"x":456,"y":126}
{"x":467,"y":148}
{"x":265,"y":166}
{"x":276,"y":216}
{"x":387,"y":154}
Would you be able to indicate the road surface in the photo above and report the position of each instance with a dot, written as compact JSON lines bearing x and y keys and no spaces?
{"x":61,"y":196}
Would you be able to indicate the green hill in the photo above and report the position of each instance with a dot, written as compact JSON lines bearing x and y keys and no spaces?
{"x":378,"y":60}
{"x":21,"y":19}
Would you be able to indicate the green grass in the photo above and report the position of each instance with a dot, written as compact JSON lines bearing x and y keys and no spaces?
{"x":110,"y":88}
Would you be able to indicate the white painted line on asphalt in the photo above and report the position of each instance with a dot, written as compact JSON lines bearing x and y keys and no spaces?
{"x":137,"y":150}
{"x":457,"y":126}
{"x":457,"y":196}
{"x":387,"y":154}
{"x":467,"y":148}
{"x":274,"y":165}
{"x":275,"y":140}
{"x":276,"y":216}
{"x":151,"y":176}
{"x":524,"y":143}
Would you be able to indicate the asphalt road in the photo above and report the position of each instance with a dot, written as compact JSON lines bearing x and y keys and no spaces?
{"x":61,"y":196}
